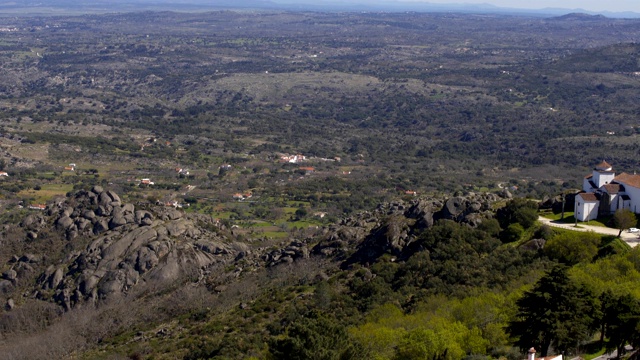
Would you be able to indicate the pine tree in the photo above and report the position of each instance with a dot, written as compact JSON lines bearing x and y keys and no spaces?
{"x":555,"y":311}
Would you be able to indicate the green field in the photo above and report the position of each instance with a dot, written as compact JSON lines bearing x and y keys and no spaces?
{"x":46,"y":193}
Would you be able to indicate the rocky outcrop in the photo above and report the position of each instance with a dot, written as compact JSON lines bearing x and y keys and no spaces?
{"x":339,"y":240}
{"x":423,"y":212}
{"x":393,"y":227}
{"x":465,"y":209}
{"x":20,"y":267}
{"x":129,"y":246}
{"x":295,"y":250}
{"x":94,"y":212}
{"x":33,"y":222}
{"x":125,"y":246}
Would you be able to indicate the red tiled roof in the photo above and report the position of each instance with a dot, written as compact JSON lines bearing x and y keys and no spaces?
{"x":588,"y":197}
{"x":605,"y":166}
{"x":628,"y":179}
{"x":612,"y":188}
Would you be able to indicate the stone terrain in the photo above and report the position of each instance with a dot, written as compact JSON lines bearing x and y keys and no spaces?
{"x":127,"y":246}
{"x":391,"y":228}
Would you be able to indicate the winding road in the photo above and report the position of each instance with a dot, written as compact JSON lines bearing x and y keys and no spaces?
{"x":630,"y":238}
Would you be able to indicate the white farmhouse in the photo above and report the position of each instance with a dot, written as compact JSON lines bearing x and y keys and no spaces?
{"x":604,"y":193}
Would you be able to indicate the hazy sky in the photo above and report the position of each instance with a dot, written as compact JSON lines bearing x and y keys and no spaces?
{"x":593,"y":5}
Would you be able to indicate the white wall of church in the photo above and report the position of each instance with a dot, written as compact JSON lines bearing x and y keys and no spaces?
{"x":634,"y":194}
{"x":602,"y":178}
{"x":585,"y":211}
{"x":614,"y":202}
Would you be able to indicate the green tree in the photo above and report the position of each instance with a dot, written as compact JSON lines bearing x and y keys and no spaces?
{"x":624,"y":219}
{"x":381,"y":340}
{"x":485,"y":312}
{"x":423,"y":344}
{"x":621,"y":321}
{"x":512,"y":233}
{"x":606,"y":299}
{"x":315,"y":337}
{"x":301,"y":213}
{"x":555,"y":311}
{"x":518,"y":210}
{"x":490,"y":226}
{"x":573,"y":247}
{"x":435,"y":337}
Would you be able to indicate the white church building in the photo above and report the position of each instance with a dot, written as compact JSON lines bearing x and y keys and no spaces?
{"x":604,"y":193}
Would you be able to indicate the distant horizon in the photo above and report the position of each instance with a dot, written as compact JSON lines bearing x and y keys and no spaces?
{"x":585,"y":5}
{"x":589,"y":5}
{"x":614,"y":9}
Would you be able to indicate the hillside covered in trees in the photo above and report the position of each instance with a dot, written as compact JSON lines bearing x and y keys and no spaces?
{"x":472,"y":276}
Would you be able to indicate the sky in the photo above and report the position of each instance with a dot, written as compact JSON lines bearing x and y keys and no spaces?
{"x":592,"y":5}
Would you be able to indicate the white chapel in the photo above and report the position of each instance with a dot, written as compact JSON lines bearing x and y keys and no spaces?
{"x":603,"y":193}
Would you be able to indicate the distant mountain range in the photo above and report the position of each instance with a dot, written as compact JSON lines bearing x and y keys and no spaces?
{"x":28,"y":6}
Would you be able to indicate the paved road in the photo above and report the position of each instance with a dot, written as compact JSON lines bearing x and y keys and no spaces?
{"x":629,"y":238}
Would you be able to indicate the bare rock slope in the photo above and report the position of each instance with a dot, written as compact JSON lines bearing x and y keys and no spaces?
{"x":128,"y":246}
